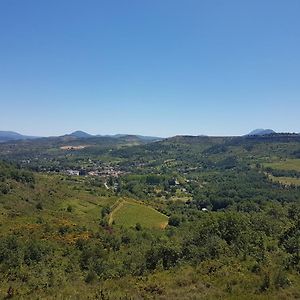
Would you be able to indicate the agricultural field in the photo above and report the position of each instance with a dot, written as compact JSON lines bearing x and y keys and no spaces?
{"x":286,"y":165}
{"x":286,"y":180}
{"x":286,"y":172}
{"x":129,"y":213}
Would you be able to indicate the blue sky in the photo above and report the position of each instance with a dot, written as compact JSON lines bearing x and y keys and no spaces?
{"x":159,"y":67}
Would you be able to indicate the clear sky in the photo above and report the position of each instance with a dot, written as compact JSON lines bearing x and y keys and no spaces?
{"x":153,"y":67}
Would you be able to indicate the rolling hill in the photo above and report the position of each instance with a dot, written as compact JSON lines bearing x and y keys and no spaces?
{"x":13,"y":136}
{"x":261,"y":131}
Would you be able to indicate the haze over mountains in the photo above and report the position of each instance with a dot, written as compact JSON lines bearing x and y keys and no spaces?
{"x":14,"y":136}
{"x":261,"y":131}
{"x":82,"y":134}
{"x":6,"y":136}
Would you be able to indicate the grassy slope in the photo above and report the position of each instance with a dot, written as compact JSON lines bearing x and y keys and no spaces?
{"x":285,"y":165}
{"x":128,"y":213}
{"x":18,"y":208}
{"x":288,"y":164}
{"x":285,"y":180}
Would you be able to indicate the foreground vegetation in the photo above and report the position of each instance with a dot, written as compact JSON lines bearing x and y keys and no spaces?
{"x":189,"y":218}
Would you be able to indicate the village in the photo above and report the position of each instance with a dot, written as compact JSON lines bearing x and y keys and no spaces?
{"x":100,"y":171}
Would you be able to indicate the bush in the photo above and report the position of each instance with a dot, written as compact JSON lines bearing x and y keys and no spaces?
{"x":39,"y":206}
{"x":33,"y":252}
{"x":4,"y":188}
{"x":90,"y":277}
{"x":281,"y":280}
{"x":105,"y":211}
{"x":174,"y":221}
{"x":138,"y":227}
{"x":266,"y":283}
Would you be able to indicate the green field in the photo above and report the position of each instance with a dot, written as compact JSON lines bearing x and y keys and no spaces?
{"x":286,"y":180}
{"x":286,"y":165}
{"x":128,"y":213}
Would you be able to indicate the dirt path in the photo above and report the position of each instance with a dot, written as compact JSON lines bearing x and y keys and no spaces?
{"x":115,"y":208}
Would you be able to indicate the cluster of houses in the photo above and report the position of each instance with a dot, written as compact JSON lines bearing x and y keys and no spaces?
{"x":71,"y":172}
{"x":106,"y":171}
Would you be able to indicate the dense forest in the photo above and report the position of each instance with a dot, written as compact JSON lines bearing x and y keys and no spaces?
{"x":182,"y":218}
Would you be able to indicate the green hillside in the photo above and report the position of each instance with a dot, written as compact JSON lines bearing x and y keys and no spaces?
{"x":183,"y":218}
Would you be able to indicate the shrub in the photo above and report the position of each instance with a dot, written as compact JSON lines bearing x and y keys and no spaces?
{"x":281,"y":280}
{"x":39,"y":206}
{"x":174,"y":221}
{"x":266,"y":283}
{"x":90,"y":277}
{"x":138,"y":227}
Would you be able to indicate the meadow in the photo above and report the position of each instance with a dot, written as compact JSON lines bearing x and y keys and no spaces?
{"x":129,"y":213}
{"x":286,"y":165}
{"x":286,"y":180}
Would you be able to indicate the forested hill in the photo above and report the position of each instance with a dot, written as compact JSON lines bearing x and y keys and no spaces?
{"x":121,"y":218}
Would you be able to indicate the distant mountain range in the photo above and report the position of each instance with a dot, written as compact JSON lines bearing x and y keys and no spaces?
{"x":14,"y":136}
{"x":262,"y":131}
{"x":6,"y":136}
{"x":82,"y":134}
